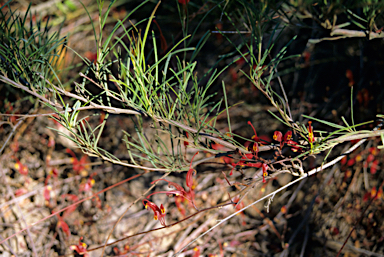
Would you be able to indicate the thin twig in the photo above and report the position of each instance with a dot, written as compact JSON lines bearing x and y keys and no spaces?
{"x":216,"y":140}
{"x":9,"y":247}
{"x":42,"y":98}
{"x":74,"y":204}
{"x":10,"y":191}
{"x":355,"y":33}
{"x":11,"y":134}
{"x":122,"y":215}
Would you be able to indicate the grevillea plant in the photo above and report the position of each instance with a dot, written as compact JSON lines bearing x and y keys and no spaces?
{"x":174,"y":108}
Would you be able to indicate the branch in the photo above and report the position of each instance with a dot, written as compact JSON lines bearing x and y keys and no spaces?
{"x":356,"y":33}
{"x":15,"y":84}
{"x":310,"y":173}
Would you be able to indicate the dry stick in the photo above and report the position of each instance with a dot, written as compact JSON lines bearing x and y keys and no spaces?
{"x":181,"y":238}
{"x":202,"y":227}
{"x":268,"y":221}
{"x":11,"y":134}
{"x":310,"y":173}
{"x":155,"y":238}
{"x":336,"y":245}
{"x":305,"y":240}
{"x":9,"y":189}
{"x":185,"y":228}
{"x":11,"y":82}
{"x":96,"y":106}
{"x":291,"y":199}
{"x":355,"y":33}
{"x":9,"y":247}
{"x":345,"y":33}
{"x":1,"y":150}
{"x":168,"y":226}
{"x":76,"y":203}
{"x":216,"y":140}
{"x":122,"y":215}
{"x":34,"y":192}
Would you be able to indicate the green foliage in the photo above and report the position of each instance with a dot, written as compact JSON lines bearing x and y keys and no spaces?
{"x":143,"y":82}
{"x":28,"y":52}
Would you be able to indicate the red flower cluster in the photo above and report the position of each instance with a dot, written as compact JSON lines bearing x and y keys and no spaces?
{"x":178,"y":191}
{"x":22,"y":169}
{"x":79,"y":166}
{"x":87,"y":185}
{"x":278,"y":136}
{"x":371,"y":161}
{"x":246,"y":159}
{"x":159,"y":213}
{"x":250,"y":159}
{"x":63,"y":225}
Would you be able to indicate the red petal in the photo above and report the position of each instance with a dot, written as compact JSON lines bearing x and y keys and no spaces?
{"x":278,"y":136}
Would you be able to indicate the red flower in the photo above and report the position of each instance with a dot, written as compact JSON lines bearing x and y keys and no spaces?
{"x":373,"y":192}
{"x":73,"y":198}
{"x":78,"y":165}
{"x":179,"y":190}
{"x":373,"y":150}
{"x":186,"y":143}
{"x":349,"y":75}
{"x":265,"y":171}
{"x":87,"y":185}
{"x":21,"y":191}
{"x":374,"y":166}
{"x":278,"y":136}
{"x":254,"y":137}
{"x":350,"y":162}
{"x":247,"y":160}
{"x":178,"y":201}
{"x":219,"y":147}
{"x":334,"y":231}
{"x":190,"y":173}
{"x":244,"y":162}
{"x":343,"y":161}
{"x":255,"y":149}
{"x":63,"y":225}
{"x":81,"y":248}
{"x":288,"y":136}
{"x":22,"y":169}
{"x":311,"y":138}
{"x":47,"y":193}
{"x":370,"y":158}
{"x":183,"y":1}
{"x":159,"y":213}
{"x":294,"y":146}
{"x":197,"y":251}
